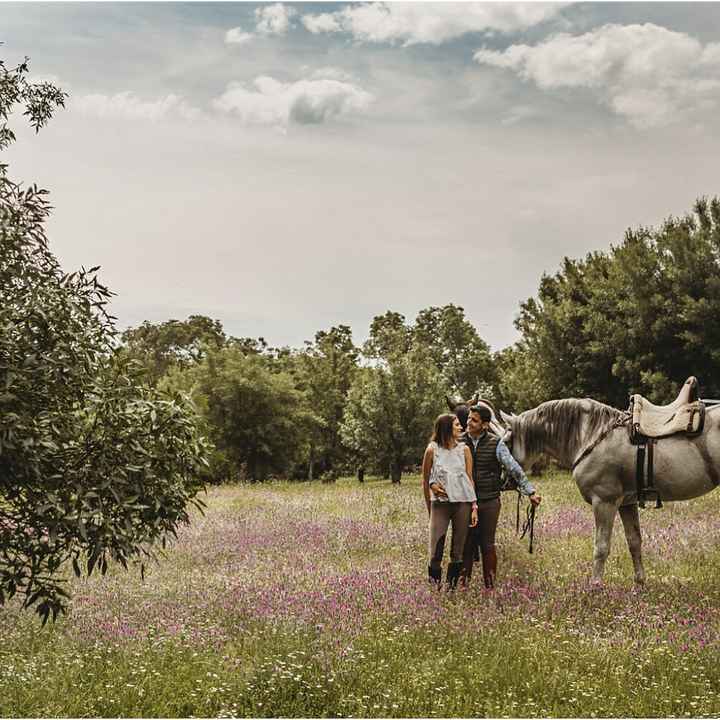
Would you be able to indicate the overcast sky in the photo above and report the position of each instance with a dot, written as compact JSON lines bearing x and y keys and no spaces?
{"x":288,"y":167}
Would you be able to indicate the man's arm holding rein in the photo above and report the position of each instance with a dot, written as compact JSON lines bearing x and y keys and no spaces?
{"x":513,"y":467}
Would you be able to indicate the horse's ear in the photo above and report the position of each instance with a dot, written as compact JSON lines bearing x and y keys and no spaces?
{"x":450,"y":404}
{"x":505,"y":417}
{"x":475,"y":400}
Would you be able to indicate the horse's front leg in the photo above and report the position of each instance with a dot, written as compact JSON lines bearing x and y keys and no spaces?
{"x":631,"y":522}
{"x":604,"y":512}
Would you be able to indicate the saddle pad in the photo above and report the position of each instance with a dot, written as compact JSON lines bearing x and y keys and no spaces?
{"x":652,"y":423}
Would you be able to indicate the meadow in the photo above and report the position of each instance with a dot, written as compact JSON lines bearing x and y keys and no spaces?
{"x":310,"y":600}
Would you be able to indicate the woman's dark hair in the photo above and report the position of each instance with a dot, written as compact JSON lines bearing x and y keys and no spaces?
{"x":443,"y":430}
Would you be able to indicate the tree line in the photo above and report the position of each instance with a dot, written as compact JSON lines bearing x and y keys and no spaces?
{"x":326,"y":409}
{"x":639,"y":317}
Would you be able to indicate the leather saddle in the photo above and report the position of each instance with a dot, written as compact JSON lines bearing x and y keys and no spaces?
{"x":686,"y":414}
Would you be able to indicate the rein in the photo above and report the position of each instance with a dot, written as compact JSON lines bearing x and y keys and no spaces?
{"x":620,"y":422}
{"x":529,"y":524}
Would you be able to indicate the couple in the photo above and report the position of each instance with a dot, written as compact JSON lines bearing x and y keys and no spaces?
{"x":461,"y":484}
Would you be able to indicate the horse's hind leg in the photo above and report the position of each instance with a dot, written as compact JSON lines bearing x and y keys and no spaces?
{"x":631,"y":522}
{"x":604,"y":518}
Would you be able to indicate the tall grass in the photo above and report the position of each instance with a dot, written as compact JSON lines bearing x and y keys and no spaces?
{"x":310,"y":600}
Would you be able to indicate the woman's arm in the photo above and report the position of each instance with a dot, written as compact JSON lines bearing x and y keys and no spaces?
{"x":426,"y":467}
{"x":468,"y":471}
{"x":468,"y":467}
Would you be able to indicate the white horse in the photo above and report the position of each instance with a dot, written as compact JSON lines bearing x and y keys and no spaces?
{"x":592,"y":439}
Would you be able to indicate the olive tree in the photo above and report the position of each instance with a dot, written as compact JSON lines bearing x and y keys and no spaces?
{"x":94,"y":466}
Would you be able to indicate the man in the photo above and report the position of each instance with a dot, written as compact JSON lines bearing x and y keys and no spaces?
{"x":489,"y":455}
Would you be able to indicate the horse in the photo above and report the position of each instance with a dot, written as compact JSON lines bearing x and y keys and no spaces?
{"x":592,"y":439}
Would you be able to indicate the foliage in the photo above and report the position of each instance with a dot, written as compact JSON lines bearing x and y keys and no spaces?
{"x":521,"y":383}
{"x":161,"y":346}
{"x":391,"y":409}
{"x":460,"y":354}
{"x":92,"y":467}
{"x":328,"y":366}
{"x":255,"y":416}
{"x":389,"y":335}
{"x":641,"y":318}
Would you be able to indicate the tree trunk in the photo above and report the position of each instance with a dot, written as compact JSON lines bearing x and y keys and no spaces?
{"x":396,"y":473}
{"x":361,"y":473}
{"x":311,"y":465}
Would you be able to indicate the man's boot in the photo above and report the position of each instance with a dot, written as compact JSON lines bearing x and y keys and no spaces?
{"x":489,"y":563}
{"x":453,"y":573}
{"x":435,"y":576}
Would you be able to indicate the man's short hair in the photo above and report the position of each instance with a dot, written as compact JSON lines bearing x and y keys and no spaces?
{"x":483,"y":411}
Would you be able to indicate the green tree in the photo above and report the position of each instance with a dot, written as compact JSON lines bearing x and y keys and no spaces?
{"x":92,"y":467}
{"x":640,"y":318}
{"x":559,"y":331}
{"x":389,"y":335}
{"x":160,"y":346}
{"x":460,"y":354}
{"x":391,"y":409}
{"x":328,"y":366}
{"x":259,"y":422}
{"x":521,"y":383}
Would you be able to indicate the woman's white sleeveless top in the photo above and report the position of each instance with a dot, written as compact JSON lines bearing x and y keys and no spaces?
{"x":448,"y":469}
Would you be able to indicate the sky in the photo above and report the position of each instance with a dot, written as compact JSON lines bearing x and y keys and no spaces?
{"x":287,"y":167}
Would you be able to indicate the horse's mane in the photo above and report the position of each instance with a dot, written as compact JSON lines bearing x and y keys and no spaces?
{"x":565,"y":424}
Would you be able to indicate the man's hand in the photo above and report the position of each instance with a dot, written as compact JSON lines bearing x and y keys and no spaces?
{"x":535,"y":499}
{"x":438,"y":490}
{"x":474,"y":518}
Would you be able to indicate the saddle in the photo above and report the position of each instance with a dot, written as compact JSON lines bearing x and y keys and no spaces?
{"x":649,"y":422}
{"x":685,"y":414}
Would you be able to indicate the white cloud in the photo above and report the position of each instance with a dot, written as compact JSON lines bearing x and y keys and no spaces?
{"x":128,"y":105}
{"x":646,"y":73}
{"x":434,"y":23}
{"x":274,"y":103}
{"x":325,"y":22}
{"x":236,"y":36}
{"x":274,"y":19}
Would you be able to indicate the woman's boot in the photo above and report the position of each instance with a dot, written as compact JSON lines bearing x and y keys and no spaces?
{"x":435,"y":575}
{"x":453,"y":573}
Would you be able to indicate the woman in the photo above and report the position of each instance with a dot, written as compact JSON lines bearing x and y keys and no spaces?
{"x":449,"y":496}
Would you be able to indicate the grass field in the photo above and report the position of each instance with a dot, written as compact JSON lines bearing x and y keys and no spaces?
{"x":310,"y":600}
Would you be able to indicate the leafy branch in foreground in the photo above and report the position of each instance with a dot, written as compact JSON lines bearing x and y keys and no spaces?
{"x":94,"y":465}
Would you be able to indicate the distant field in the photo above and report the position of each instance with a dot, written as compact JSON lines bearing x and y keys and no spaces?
{"x":310,"y":600}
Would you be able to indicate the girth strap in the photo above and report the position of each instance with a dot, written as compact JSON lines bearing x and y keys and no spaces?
{"x":640,"y":475}
{"x":646,"y":483}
